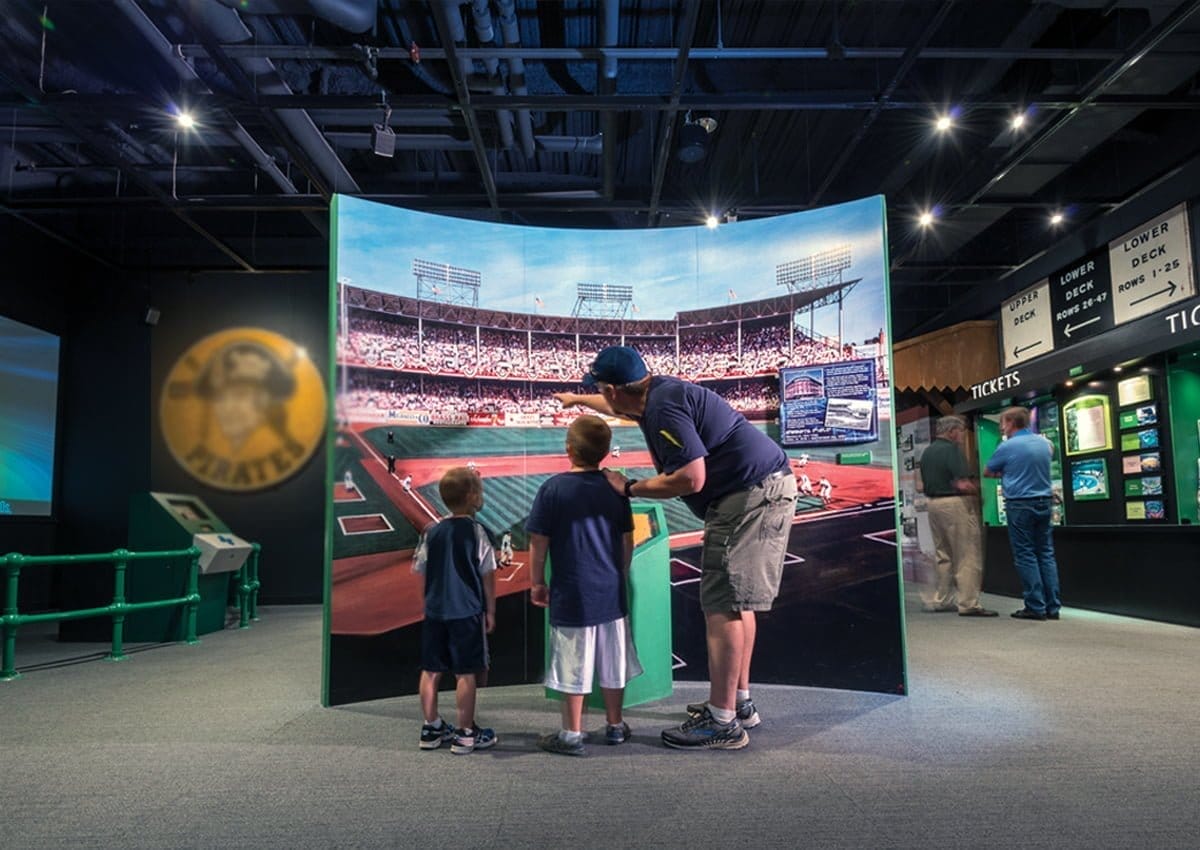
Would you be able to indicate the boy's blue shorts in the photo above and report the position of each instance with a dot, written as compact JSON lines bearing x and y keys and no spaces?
{"x":454,"y":646}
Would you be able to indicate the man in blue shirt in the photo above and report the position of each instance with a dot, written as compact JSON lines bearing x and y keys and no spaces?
{"x":1022,"y":461}
{"x":737,"y":479}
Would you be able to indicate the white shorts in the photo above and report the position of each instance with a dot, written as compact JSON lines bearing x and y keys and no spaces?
{"x":575,"y":651}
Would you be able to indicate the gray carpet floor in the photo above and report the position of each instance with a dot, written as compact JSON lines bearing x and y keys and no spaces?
{"x":1080,"y":733}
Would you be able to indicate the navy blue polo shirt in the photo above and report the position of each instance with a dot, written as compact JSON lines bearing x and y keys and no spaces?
{"x":684,"y":421}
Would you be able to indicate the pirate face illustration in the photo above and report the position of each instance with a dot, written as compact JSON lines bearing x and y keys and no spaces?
{"x":247,"y":387}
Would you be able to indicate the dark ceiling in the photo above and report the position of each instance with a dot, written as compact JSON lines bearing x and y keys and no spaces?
{"x":574,"y":113}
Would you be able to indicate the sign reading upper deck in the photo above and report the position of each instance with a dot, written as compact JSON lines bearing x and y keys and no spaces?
{"x":1152,"y":266}
{"x":1025,"y":325}
{"x":1081,"y":299}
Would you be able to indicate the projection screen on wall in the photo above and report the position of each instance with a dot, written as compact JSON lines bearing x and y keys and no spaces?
{"x":28,"y":415}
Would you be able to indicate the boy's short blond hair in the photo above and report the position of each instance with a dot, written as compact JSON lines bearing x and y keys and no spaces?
{"x":589,"y":438}
{"x":457,"y":486}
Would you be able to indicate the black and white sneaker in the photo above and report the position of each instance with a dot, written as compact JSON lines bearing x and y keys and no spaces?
{"x":747,"y":714}
{"x":432,"y":736}
{"x":705,"y":732}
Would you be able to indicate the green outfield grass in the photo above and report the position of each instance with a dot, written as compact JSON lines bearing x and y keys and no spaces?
{"x":403,"y":535}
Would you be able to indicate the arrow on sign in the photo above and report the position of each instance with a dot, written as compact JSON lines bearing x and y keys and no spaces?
{"x":1067,"y":330}
{"x":1017,"y":351}
{"x":1171,"y":287}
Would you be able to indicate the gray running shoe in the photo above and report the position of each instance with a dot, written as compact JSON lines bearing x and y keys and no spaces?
{"x":618,"y":734}
{"x":552,"y":742}
{"x":704,"y":732}
{"x":467,"y":740}
{"x":746,"y":712}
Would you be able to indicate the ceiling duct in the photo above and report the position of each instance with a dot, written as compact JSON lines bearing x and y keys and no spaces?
{"x":350,"y":15}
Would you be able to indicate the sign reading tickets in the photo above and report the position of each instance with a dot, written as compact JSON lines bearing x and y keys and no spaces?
{"x":1152,"y":266}
{"x":829,"y":404}
{"x":1025,"y":325}
{"x":243,"y":409}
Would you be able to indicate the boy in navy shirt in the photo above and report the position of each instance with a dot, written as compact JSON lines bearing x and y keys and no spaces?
{"x":459,"y":564}
{"x":587,"y":529}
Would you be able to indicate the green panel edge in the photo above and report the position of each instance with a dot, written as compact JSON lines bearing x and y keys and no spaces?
{"x":330,"y":440}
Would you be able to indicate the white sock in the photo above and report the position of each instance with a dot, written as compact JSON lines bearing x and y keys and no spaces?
{"x":436,"y":724}
{"x":722,"y":715}
{"x":571,"y":737}
{"x":742,"y":696}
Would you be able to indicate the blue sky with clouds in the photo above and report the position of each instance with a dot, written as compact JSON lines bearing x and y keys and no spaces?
{"x":670,"y":269}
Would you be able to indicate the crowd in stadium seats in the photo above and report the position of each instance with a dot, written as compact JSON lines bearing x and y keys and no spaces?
{"x":452,"y":350}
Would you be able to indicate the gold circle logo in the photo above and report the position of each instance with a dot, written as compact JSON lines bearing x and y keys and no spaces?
{"x":243,"y":409}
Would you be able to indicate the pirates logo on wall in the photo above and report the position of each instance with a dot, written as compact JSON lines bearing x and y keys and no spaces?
{"x":243,"y":409}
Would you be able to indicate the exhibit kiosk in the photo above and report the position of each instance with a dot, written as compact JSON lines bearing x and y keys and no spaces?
{"x":649,"y":609}
{"x":1105,"y":354}
{"x":177,"y":521}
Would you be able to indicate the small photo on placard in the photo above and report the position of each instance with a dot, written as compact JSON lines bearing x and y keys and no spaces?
{"x":1147,"y":414}
{"x":1151,"y":485}
{"x":1155,"y":509}
{"x":1135,"y":510}
{"x":1144,"y":439}
{"x":1134,"y":390}
{"x":1089,"y":479}
{"x":1149,"y":462}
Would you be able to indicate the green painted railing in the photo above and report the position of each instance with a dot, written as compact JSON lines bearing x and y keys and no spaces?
{"x":11,"y":619}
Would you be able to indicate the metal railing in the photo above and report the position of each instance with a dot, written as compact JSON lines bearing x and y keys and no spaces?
{"x":11,"y":619}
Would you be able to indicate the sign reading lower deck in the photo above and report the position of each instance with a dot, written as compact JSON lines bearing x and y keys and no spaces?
{"x":1081,"y":299}
{"x":1152,"y":266}
{"x":1025,"y":325}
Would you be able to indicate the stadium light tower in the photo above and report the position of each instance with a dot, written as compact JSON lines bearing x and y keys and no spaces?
{"x":602,"y":301}
{"x":819,"y":271}
{"x":446,"y":283}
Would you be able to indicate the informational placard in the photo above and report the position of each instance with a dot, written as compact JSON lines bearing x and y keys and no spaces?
{"x":1026,"y":329}
{"x":828,"y":405}
{"x":1135,"y":389}
{"x":1080,"y":297}
{"x":1087,"y":420}
{"x":1151,"y":266}
{"x":1151,"y":485}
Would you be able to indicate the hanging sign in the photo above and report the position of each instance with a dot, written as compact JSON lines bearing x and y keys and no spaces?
{"x":1082,"y":302}
{"x":1025,"y":325}
{"x":1152,"y":266}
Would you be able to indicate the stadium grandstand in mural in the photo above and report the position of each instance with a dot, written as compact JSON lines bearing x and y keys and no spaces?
{"x":453,"y":337}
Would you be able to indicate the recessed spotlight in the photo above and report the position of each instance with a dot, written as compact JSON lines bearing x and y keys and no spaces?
{"x":185,"y":120}
{"x":1017,"y":121}
{"x":1070,"y":383}
{"x":711,"y":222}
{"x":944,"y":123}
{"x":1056,"y":218}
{"x":1118,"y":369}
{"x":926,"y":218}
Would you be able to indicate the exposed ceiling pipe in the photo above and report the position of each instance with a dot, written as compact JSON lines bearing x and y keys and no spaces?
{"x":609,"y":32}
{"x":593,"y":145}
{"x":486,"y":34}
{"x":351,"y":15}
{"x":226,"y":27}
{"x":516,"y":73}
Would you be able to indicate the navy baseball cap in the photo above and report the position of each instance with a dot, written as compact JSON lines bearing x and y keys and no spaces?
{"x":618,"y":365}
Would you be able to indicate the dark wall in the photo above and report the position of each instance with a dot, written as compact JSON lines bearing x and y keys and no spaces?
{"x":289,"y":518}
{"x":102,"y":421}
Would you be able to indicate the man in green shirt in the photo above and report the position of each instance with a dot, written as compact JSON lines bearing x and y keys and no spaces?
{"x":954,"y":521}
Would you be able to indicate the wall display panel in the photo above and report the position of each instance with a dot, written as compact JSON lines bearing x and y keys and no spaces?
{"x":1088,"y":424}
{"x":28,"y":418}
{"x":452,"y":338}
{"x":1089,"y":479}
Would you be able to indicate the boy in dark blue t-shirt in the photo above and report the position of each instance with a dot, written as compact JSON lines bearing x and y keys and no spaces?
{"x":587,"y":529}
{"x":459,"y":564}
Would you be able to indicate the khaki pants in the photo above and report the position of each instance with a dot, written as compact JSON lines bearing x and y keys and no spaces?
{"x":954,"y":522}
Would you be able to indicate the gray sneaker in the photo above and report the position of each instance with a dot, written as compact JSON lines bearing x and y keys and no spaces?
{"x":618,"y":734}
{"x":552,"y":742}
{"x":746,"y":712}
{"x":705,"y":732}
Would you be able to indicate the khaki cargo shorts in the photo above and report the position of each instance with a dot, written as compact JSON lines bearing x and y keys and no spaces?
{"x":745,"y":540}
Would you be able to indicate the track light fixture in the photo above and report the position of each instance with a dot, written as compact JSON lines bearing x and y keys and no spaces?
{"x":383,"y":139}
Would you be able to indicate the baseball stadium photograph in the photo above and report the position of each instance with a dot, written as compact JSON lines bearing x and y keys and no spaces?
{"x":456,"y":340}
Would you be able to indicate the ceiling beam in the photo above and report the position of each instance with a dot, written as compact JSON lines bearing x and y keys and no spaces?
{"x":439,"y":9}
{"x":686,"y":34}
{"x":860,"y":101}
